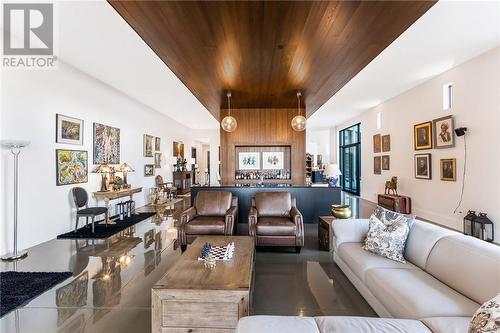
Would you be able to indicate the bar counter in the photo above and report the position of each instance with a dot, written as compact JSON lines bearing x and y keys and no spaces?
{"x":312,"y":200}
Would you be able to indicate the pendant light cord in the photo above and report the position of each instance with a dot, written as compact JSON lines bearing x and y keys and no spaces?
{"x":463,"y":176}
{"x":298,"y":101}
{"x":229,"y":103}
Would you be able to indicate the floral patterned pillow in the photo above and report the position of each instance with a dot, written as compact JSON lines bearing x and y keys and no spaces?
{"x":387,"y":234}
{"x":487,"y":317}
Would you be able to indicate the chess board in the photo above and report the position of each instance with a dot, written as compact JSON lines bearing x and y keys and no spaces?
{"x":218,"y":252}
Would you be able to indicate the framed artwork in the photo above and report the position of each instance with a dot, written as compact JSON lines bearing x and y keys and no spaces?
{"x":69,"y":130}
{"x":193,"y":152}
{"x":448,"y":167}
{"x":376,"y":143}
{"x":386,"y":143}
{"x":423,"y":166}
{"x":157,"y":160}
{"x":157,"y":144}
{"x":71,"y":167}
{"x":386,"y":162}
{"x":272,"y":160}
{"x":377,"y":165}
{"x":444,"y":132}
{"x":149,"y":170}
{"x":178,"y":149}
{"x":106,"y":144}
{"x":422,"y":136}
{"x":248,"y":161}
{"x":147,"y":143}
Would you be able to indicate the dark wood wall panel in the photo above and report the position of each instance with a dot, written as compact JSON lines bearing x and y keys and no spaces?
{"x":263,"y":127}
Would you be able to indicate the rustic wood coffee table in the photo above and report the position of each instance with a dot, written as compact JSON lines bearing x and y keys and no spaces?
{"x":191,"y":298}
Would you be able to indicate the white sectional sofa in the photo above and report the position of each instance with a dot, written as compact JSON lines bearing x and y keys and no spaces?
{"x":445,"y":280}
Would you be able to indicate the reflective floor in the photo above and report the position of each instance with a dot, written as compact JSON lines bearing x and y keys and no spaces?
{"x":111,"y":283}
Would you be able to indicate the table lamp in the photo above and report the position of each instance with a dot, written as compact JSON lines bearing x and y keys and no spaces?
{"x":103,"y":169}
{"x":15,"y":148}
{"x":125,"y":168}
{"x":332,"y":173}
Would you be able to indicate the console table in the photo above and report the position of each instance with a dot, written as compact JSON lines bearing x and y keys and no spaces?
{"x":107,"y":196}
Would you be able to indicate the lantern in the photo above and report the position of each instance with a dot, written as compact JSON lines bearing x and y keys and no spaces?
{"x":483,"y":228}
{"x":469,"y":222}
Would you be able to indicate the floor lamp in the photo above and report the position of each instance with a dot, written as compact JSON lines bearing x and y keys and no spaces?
{"x":15,"y":148}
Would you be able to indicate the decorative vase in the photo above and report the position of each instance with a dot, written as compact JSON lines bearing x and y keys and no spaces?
{"x":332,"y":182}
{"x":341,"y":211}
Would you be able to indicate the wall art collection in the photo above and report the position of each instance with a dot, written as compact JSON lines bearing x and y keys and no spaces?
{"x":381,"y":144}
{"x":151,"y":148}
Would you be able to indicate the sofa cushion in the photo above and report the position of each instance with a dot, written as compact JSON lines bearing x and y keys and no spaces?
{"x":360,"y":261}
{"x":421,"y":239}
{"x":213,"y":203}
{"x":348,"y":231}
{"x":276,"y":324}
{"x":206,"y":225}
{"x":275,"y":226}
{"x":487,"y":317}
{"x":368,"y":325}
{"x":468,"y":265}
{"x":447,"y":324}
{"x":273,"y":203}
{"x":414,"y":294}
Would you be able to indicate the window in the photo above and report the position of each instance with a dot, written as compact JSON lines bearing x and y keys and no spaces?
{"x":350,"y":158}
{"x":447,"y":96}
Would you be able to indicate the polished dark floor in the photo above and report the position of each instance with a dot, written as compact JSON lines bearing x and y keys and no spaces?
{"x":112,"y":280}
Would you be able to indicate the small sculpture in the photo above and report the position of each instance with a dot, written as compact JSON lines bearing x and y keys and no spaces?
{"x":391,"y":185}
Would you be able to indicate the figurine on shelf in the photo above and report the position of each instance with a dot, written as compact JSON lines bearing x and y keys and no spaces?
{"x":391,"y":185}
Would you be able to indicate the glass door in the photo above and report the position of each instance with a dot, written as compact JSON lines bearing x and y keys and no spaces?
{"x":350,"y":158}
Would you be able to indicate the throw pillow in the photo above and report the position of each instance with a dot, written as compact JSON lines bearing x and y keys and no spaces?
{"x":387,"y":234}
{"x":487,"y":317}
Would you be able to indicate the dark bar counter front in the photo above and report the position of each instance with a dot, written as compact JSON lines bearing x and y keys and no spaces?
{"x":312,"y":200}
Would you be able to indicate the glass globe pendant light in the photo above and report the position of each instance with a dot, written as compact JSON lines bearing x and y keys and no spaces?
{"x":299,"y":122}
{"x":229,"y":123}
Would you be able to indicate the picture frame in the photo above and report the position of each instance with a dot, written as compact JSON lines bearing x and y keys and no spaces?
{"x":71,"y":167}
{"x":273,"y":160}
{"x":377,"y":140}
{"x":377,"y":165}
{"x":386,"y":162}
{"x":69,"y":130}
{"x":157,"y":143}
{"x":149,"y":170}
{"x":444,"y":132}
{"x":423,"y":166}
{"x":448,"y":169}
{"x":157,"y":160}
{"x":106,"y":144}
{"x":248,"y":161}
{"x":422,"y":136}
{"x":148,"y":145}
{"x":178,"y":149}
{"x":386,"y":143}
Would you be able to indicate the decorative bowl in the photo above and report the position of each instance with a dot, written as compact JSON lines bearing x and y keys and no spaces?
{"x":341,"y":211}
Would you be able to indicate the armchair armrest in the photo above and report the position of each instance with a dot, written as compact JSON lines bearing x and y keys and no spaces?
{"x":188,"y":215}
{"x":230,"y":219}
{"x":297,"y":218}
{"x":349,"y":231}
{"x":252,"y":221}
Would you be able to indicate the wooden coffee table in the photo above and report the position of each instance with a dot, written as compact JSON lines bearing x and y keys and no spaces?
{"x":191,"y":298}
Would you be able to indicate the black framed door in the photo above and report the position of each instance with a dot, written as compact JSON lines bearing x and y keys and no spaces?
{"x":350,"y":158}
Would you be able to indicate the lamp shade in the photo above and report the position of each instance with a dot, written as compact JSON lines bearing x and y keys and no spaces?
{"x":14,"y":144}
{"x":332,"y":170}
{"x":229,"y":124}
{"x":299,"y":123}
{"x":124,"y":167}
{"x":102,"y":168}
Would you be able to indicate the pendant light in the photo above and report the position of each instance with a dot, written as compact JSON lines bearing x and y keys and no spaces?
{"x":229,"y":123}
{"x":299,"y":122}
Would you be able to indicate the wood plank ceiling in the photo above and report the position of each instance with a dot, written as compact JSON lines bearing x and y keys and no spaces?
{"x":265,"y":51}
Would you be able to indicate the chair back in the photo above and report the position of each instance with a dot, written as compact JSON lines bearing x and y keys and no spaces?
{"x":159,"y":180}
{"x":80,"y":197}
{"x":273,"y":203}
{"x":213,"y":203}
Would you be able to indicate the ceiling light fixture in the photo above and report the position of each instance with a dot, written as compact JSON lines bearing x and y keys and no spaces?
{"x":299,"y":122}
{"x":229,"y":123}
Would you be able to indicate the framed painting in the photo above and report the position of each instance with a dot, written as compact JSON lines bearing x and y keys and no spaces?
{"x":157,"y":160}
{"x":377,"y":165}
{"x":272,"y":160}
{"x":386,"y":143}
{"x":423,"y":166}
{"x":376,"y":143}
{"x":386,"y":162}
{"x":448,"y":168}
{"x":178,"y":149}
{"x":106,"y":144}
{"x":422,"y":136}
{"x":69,"y":130}
{"x":157,"y":144}
{"x":147,"y":143}
{"x":71,"y":167}
{"x":248,"y":161}
{"x":444,"y":132}
{"x":149,"y":170}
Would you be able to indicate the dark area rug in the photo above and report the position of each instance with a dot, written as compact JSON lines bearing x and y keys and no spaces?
{"x":102,"y":231}
{"x":17,"y":288}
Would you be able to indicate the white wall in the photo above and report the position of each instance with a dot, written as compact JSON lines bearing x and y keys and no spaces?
{"x":318,"y":143}
{"x":30,"y":102}
{"x":476,"y":105}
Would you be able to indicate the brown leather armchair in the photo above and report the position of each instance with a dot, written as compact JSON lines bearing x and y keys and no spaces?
{"x":213,"y":213}
{"x":274,"y":220}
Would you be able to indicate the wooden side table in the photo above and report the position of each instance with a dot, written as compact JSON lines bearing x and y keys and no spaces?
{"x":324,"y":234}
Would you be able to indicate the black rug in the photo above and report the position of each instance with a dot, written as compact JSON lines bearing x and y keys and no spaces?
{"x":17,"y":288}
{"x":103,"y":231}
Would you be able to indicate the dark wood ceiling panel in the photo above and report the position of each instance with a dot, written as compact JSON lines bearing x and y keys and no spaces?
{"x":265,"y":51}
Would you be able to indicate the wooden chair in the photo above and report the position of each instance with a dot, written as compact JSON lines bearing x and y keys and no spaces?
{"x":166,"y":187}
